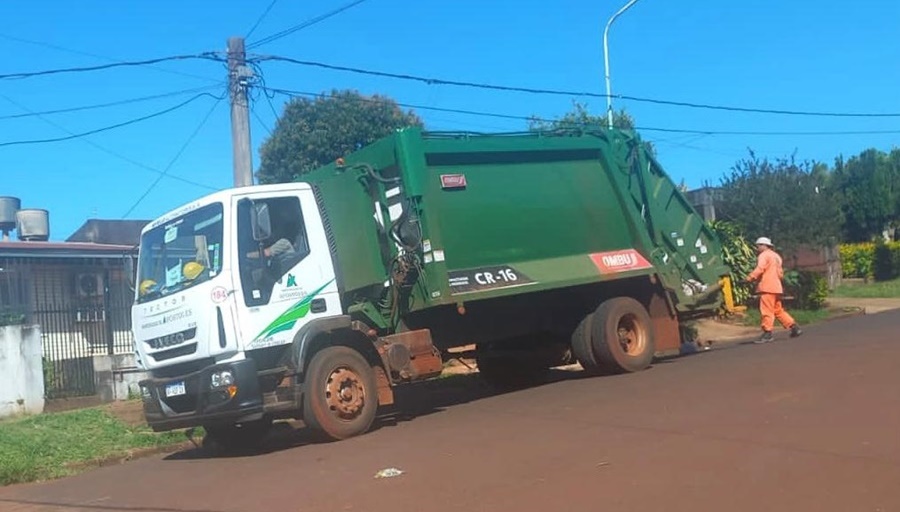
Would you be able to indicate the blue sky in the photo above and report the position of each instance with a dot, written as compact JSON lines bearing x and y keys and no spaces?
{"x":799,"y":55}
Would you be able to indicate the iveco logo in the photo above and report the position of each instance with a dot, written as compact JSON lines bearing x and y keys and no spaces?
{"x":170,"y":340}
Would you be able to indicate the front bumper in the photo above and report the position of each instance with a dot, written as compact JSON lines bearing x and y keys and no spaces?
{"x":200,"y":404}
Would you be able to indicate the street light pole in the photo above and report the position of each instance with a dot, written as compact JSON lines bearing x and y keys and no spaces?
{"x":609,"y":111}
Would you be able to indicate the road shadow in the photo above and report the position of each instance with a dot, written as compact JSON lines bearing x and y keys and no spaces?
{"x":421,"y":399}
{"x":411,"y":401}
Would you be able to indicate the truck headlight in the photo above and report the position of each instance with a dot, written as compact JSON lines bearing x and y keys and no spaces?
{"x":221,"y":379}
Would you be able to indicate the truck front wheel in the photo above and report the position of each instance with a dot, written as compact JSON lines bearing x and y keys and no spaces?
{"x":340,"y":396}
{"x":622,"y":336}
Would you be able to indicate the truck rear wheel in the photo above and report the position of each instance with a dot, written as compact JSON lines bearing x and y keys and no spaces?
{"x":582,"y":345}
{"x":622,"y":336}
{"x":341,"y":394}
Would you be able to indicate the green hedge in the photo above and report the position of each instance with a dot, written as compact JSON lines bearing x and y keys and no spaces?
{"x":857,"y":260}
{"x":867,"y":260}
{"x":886,"y":261}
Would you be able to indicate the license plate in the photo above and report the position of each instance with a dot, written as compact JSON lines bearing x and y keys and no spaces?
{"x":175,"y":389}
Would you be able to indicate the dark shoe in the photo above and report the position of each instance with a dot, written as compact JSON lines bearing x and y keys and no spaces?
{"x":765,"y":338}
{"x":795,"y":331}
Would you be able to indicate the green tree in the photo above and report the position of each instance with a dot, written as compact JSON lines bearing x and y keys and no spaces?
{"x":788,"y":201}
{"x":315,"y":132}
{"x":869,"y":201}
{"x":895,"y":188}
{"x":580,"y":118}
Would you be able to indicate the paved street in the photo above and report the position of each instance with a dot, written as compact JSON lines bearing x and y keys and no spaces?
{"x":807,"y":424}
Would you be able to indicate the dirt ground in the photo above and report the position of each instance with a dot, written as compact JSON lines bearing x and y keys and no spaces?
{"x":130,"y":412}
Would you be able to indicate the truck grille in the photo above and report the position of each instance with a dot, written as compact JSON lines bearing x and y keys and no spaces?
{"x":172,"y":340}
{"x":173,"y":353}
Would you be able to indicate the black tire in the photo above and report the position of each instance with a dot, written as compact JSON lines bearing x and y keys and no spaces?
{"x":630,"y":350}
{"x":510,"y":371}
{"x":237,"y":437}
{"x":338,"y":370}
{"x":582,"y":347}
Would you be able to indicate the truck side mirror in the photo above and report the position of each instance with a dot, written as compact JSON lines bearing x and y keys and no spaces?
{"x":260,"y":221}
{"x":129,"y":270}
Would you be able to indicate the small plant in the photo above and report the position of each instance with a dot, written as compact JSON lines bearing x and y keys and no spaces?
{"x":9,"y":316}
{"x":134,"y":393}
{"x":49,"y":373}
{"x":810,"y":290}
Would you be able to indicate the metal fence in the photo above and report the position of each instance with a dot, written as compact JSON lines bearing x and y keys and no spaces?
{"x":72,"y":334}
{"x":83,"y":309}
{"x":13,"y":293}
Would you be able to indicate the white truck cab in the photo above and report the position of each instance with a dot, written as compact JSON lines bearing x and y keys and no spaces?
{"x":236,"y":271}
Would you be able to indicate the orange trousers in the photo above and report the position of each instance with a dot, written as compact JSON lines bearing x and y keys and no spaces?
{"x":770,"y":308}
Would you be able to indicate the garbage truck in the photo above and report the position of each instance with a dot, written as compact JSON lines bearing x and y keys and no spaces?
{"x":312,"y":300}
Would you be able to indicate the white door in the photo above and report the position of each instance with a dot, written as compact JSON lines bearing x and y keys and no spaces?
{"x":288,"y":279}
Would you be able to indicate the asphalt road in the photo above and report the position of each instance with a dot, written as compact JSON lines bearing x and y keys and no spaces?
{"x":807,"y":424}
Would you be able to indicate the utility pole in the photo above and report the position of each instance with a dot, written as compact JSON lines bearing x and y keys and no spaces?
{"x":238,"y":83}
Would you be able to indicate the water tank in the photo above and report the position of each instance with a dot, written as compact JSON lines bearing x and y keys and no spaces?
{"x":8,"y":208}
{"x":33,"y":225}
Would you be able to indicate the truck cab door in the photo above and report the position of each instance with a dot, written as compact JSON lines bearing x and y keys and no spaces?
{"x":285,"y":272}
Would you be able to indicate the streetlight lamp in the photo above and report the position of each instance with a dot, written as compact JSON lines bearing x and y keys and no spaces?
{"x":609,"y":111}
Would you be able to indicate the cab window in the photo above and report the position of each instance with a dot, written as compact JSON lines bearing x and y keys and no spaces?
{"x":265,"y":263}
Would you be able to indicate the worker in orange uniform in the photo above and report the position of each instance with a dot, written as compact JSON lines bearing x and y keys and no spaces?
{"x":769,"y":272}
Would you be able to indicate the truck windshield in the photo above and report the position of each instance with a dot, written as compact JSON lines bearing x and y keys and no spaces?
{"x":180,"y":253}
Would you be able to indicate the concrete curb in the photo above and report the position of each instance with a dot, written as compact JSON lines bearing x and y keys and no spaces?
{"x":733,"y":340}
{"x":122,"y":458}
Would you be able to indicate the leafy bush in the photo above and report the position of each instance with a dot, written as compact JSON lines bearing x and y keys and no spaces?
{"x":857,"y":260}
{"x":886,"y":261}
{"x":879,"y":260}
{"x":49,"y":374}
{"x":809,"y":289}
{"x":11,"y":317}
{"x":739,"y":255}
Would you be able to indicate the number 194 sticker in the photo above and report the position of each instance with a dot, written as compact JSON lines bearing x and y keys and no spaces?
{"x":486,"y":278}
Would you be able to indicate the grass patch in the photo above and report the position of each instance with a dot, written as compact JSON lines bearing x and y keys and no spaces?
{"x":53,"y":445}
{"x":802,"y":316}
{"x":871,"y":290}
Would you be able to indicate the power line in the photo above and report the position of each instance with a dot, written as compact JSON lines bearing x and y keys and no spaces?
{"x":260,"y":19}
{"x":110,"y":127}
{"x":306,"y":24}
{"x":109,"y":104}
{"x":101,"y":57}
{"x":261,"y":122}
{"x":165,"y":171}
{"x":30,"y":74}
{"x":290,"y":93}
{"x":109,"y":151}
{"x":271,"y":106}
{"x":777,"y":133}
{"x":557,"y":92}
